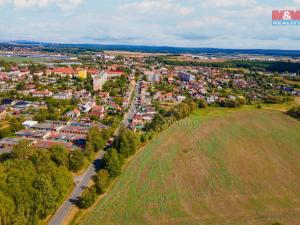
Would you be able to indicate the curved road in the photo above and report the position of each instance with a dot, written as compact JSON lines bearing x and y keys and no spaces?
{"x":81,"y":182}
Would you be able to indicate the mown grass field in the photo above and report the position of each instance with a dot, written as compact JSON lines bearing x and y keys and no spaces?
{"x":21,"y":60}
{"x":219,"y":166}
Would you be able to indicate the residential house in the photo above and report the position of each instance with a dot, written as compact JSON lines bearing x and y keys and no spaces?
{"x":63,"y":95}
{"x":85,"y":108}
{"x":97,"y":111}
{"x":42,"y":94}
{"x":104,"y":96}
{"x":23,"y":104}
{"x":73,"y":113}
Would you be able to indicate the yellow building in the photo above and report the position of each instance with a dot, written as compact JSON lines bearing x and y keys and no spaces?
{"x":82,"y":74}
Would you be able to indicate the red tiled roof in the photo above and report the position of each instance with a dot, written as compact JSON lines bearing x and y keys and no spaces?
{"x":41,"y":92}
{"x":96,"y":113}
{"x":104,"y":94}
{"x":65,"y":70}
{"x":76,"y":111}
{"x":99,"y":108}
{"x":115,"y":72}
{"x":93,"y":71}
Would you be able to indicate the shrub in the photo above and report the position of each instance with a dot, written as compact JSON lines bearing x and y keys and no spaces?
{"x":101,"y":180}
{"x":228,"y":103}
{"x":201,"y":103}
{"x":87,"y":198}
{"x":295,"y":112}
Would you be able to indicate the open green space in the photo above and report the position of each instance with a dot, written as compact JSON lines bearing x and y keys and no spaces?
{"x":19,"y":60}
{"x":219,"y":166}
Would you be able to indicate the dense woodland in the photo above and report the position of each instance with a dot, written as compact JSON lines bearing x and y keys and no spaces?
{"x":33,"y":183}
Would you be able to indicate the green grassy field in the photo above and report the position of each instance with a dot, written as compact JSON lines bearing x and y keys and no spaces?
{"x":21,"y":60}
{"x":219,"y":166}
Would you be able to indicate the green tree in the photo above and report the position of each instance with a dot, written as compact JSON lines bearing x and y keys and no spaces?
{"x":35,"y":186}
{"x":87,"y":198}
{"x":22,"y":151}
{"x":95,"y":140}
{"x":41,"y":116}
{"x":59,"y":155}
{"x":88,"y":83}
{"x":107,"y":133}
{"x":7,"y":210}
{"x":5,"y":132}
{"x":112,"y":163}
{"x":101,"y":180}
{"x":157,"y":124}
{"x":127,"y":143}
{"x":76,"y":160}
{"x":16,"y":124}
{"x":182,"y":110}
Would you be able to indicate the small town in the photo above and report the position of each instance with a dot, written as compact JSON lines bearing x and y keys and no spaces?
{"x":149,"y":112}
{"x":57,"y":104}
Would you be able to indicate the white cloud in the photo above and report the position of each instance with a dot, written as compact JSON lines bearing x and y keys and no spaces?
{"x":194,"y":23}
{"x":259,"y":11}
{"x":156,"y":6}
{"x":63,"y":4}
{"x":297,"y":1}
{"x":227,"y":3}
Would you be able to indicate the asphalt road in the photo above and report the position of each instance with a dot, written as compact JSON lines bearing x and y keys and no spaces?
{"x":81,"y":182}
{"x":132,"y":109}
{"x":66,"y":207}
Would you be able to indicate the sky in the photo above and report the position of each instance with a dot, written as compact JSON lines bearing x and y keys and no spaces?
{"x":183,"y":23}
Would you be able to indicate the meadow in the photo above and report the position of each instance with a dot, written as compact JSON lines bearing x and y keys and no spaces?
{"x":21,"y":60}
{"x":219,"y":166}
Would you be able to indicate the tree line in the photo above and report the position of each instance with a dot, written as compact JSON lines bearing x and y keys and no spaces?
{"x":277,"y":66}
{"x":124,"y":146}
{"x":164,"y":119}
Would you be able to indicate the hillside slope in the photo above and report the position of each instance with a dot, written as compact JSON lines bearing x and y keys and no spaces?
{"x":217,"y":167}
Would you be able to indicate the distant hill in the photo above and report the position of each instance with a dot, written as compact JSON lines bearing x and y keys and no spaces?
{"x":159,"y":49}
{"x":217,"y":167}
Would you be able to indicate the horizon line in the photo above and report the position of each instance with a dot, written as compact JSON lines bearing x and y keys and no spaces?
{"x":135,"y":45}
